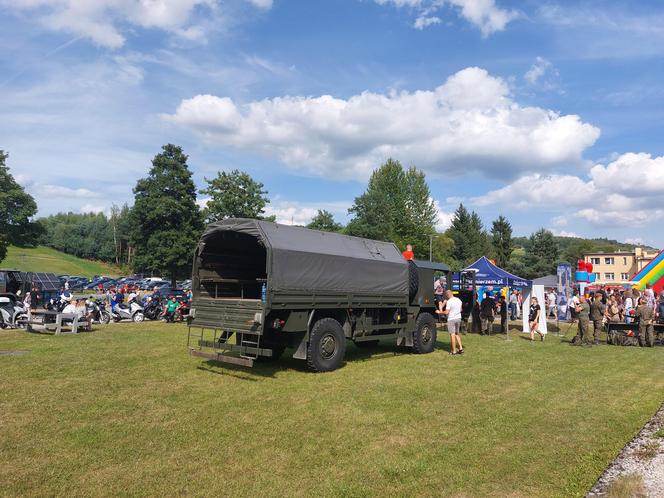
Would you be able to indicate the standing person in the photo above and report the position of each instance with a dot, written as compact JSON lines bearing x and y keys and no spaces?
{"x":519,"y":304}
{"x":613,"y":310}
{"x":487,"y":312}
{"x":583,"y":315}
{"x":477,"y":321}
{"x":660,"y":308}
{"x":597,"y":312}
{"x":628,"y":305}
{"x":408,"y":254}
{"x":575,"y":303}
{"x":502,"y":310}
{"x":534,"y":319}
{"x":453,"y":312}
{"x":645,"y":315}
{"x":514,"y":302}
{"x":649,"y":294}
{"x":34,"y":297}
{"x":552,"y":300}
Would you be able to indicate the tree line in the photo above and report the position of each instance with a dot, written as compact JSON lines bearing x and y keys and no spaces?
{"x":159,"y":232}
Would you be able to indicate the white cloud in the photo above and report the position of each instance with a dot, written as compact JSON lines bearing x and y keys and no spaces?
{"x":106,"y":22}
{"x":537,"y":70}
{"x":424,"y":21}
{"x":299,"y":213}
{"x":60,"y":191}
{"x":468,"y":124}
{"x":444,"y":220}
{"x":483,"y":14}
{"x":94,"y":208}
{"x":623,"y":193}
{"x":632,"y":175}
{"x":560,"y":221}
{"x":564,"y":233}
{"x":541,"y":190}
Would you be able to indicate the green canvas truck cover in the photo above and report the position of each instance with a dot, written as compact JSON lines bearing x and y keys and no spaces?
{"x":300,"y":259}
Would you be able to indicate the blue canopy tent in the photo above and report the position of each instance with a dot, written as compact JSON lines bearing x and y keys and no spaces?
{"x":487,"y":274}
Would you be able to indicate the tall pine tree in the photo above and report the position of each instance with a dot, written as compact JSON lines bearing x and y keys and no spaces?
{"x":501,"y":240}
{"x":166,"y":222}
{"x":470,"y":238}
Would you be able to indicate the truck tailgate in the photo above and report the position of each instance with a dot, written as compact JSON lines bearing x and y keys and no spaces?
{"x":232,"y":315}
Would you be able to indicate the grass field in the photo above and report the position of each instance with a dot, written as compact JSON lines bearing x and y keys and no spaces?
{"x":125,"y":411}
{"x":45,"y":259}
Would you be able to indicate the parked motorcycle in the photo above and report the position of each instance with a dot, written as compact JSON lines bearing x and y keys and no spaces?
{"x":152,"y":309}
{"x":131,"y":311}
{"x":97,"y":308}
{"x":12,"y":312}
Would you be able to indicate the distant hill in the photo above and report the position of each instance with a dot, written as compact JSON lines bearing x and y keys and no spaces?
{"x":45,"y":259}
{"x":601,"y":244}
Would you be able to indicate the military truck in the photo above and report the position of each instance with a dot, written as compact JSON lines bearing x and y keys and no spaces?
{"x":260,"y":288}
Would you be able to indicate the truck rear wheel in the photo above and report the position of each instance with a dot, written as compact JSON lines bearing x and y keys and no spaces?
{"x":327,"y":346}
{"x":424,"y":337}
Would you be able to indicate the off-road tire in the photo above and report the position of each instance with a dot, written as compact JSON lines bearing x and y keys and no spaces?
{"x":327,"y":346}
{"x":367,"y":344}
{"x":138,"y":317}
{"x":424,"y":336}
{"x":105,"y":318}
{"x":413,"y":280}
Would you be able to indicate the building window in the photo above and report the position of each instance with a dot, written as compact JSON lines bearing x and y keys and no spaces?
{"x":624,"y":276}
{"x":597,"y":276}
{"x":594,"y":261}
{"x":609,"y":261}
{"x":609,"y":276}
{"x":625,"y":261}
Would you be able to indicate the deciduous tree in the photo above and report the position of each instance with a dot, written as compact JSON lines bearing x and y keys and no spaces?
{"x":234,"y":195}
{"x":17,"y":208}
{"x":324,"y":220}
{"x":396,"y":207}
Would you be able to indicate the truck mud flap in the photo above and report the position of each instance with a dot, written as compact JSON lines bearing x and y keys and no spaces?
{"x":223,"y":358}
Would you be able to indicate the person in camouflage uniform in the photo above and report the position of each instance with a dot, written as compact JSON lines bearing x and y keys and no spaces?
{"x":645,"y":316}
{"x":597,"y":312}
{"x":583,"y":314}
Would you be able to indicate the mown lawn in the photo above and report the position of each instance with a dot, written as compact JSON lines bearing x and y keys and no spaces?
{"x":125,"y":411}
{"x":45,"y":259}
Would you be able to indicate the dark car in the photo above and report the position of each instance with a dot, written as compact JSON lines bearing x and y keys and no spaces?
{"x":166,"y":293}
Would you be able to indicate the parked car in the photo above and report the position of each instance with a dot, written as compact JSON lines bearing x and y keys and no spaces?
{"x":167,"y":292}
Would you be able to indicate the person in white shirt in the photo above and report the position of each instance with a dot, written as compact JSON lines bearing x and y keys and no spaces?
{"x":551,"y":304}
{"x":71,"y":308}
{"x":453,"y":312}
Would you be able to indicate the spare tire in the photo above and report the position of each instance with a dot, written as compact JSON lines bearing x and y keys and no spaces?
{"x":413,"y":280}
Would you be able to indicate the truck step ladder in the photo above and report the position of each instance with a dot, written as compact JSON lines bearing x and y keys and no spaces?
{"x":250,"y":343}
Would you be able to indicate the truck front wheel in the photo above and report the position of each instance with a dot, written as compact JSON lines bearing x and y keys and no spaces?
{"x":327,"y":346}
{"x":424,"y":337}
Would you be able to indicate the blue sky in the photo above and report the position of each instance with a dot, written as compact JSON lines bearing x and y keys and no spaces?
{"x":548,"y":112}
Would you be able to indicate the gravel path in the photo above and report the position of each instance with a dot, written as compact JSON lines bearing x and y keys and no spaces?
{"x":644,"y":456}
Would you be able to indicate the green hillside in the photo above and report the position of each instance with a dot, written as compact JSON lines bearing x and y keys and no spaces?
{"x":45,"y":259}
